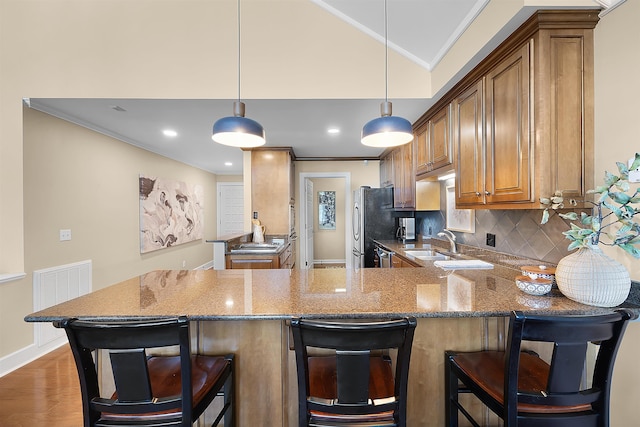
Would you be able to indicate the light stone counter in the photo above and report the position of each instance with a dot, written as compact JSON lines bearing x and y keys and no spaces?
{"x":246,"y":312}
{"x":280,"y":294}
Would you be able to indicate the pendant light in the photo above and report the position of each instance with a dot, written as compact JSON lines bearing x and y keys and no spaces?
{"x":238,"y":130}
{"x":387,"y":130}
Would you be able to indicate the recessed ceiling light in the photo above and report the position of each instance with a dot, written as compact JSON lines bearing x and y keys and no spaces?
{"x":170,"y":132}
{"x":228,"y":164}
{"x":333,"y":131}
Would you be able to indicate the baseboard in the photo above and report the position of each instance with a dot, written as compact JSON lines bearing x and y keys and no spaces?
{"x":328,"y":261}
{"x":15,"y":360}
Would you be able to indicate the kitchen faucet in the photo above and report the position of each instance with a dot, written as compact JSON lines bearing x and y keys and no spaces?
{"x":451,"y":238}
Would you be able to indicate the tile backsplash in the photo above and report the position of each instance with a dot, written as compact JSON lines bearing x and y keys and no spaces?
{"x":517,"y":232}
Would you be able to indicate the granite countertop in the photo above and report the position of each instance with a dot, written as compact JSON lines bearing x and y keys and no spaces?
{"x":327,"y":293}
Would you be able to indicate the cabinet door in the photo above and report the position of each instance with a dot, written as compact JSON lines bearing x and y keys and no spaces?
{"x":398,"y":181}
{"x":271,"y":189}
{"x":508,"y":157}
{"x":421,"y":151}
{"x":386,"y":171}
{"x":468,"y":134}
{"x":408,"y":177}
{"x":251,"y":263}
{"x":440,"y":140}
{"x":404,"y":187}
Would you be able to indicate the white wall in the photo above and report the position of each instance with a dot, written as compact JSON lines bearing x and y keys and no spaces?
{"x":329,"y":245}
{"x":617,"y":66}
{"x":84,"y":181}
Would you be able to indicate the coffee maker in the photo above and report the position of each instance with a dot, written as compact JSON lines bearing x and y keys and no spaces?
{"x":406,"y":229}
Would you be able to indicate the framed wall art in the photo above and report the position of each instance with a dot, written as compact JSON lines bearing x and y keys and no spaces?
{"x":327,"y":210}
{"x":171,"y":213}
{"x":459,"y":219}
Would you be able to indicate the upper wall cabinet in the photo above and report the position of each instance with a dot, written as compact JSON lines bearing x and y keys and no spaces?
{"x":397,"y":171}
{"x":272,"y":180}
{"x":537,"y":126}
{"x":386,"y":170}
{"x":432,"y":144}
{"x":404,"y":181}
{"x":522,"y":120}
{"x":493,"y":144}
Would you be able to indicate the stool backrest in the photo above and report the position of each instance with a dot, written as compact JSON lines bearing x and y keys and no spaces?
{"x":353,"y":343}
{"x":126,"y":342}
{"x":570,"y":336}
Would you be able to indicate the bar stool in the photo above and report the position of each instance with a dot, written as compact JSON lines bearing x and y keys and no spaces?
{"x":523,"y":389}
{"x":150,"y":390}
{"x":354,"y":384}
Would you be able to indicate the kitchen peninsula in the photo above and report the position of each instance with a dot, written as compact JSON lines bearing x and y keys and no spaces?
{"x":246,"y":312}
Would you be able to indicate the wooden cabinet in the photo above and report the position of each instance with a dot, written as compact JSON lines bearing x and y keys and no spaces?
{"x":468,"y":133}
{"x":507,"y":161}
{"x":523,"y":118}
{"x":386,"y":170}
{"x":493,"y":145}
{"x":272,"y":183}
{"x":261,"y":261}
{"x":404,"y":181}
{"x":286,"y":258}
{"x":397,"y":170}
{"x":433,"y":145}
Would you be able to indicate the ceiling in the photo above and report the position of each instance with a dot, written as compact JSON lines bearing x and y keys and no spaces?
{"x":298,"y":123}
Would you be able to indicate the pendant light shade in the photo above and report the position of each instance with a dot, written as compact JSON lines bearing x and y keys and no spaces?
{"x":238,"y":130}
{"x":387,"y":130}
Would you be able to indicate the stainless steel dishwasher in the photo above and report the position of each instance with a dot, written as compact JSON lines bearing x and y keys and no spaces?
{"x":384,"y":257}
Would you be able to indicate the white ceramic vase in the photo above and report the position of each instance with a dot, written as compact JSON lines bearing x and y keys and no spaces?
{"x":590,"y":277}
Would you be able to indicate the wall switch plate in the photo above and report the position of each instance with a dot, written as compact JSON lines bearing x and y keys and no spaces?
{"x":65,"y":235}
{"x":491,"y":240}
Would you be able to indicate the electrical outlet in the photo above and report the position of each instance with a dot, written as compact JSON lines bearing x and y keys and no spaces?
{"x":491,"y":240}
{"x":255,"y":215}
{"x":184,"y":263}
{"x":65,"y":235}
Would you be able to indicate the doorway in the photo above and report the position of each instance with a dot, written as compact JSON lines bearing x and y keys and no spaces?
{"x":309,"y":215}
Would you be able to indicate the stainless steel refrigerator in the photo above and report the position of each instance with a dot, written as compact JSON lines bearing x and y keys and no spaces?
{"x":373,"y":218}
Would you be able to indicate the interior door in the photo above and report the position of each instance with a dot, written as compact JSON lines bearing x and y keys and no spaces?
{"x":308,"y":224}
{"x":230,"y":208}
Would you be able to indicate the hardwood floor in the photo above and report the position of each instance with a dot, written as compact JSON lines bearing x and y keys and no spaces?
{"x":45,"y":392}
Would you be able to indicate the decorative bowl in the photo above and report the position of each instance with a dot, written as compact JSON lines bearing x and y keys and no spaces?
{"x":535,"y":302}
{"x":540,"y":271}
{"x":531,"y":286}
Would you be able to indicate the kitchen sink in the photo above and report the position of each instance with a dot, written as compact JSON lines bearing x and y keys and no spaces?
{"x":427,"y":255}
{"x":253,"y":247}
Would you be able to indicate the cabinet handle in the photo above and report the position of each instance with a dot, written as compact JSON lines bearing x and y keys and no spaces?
{"x":478,"y":193}
{"x":488,"y":193}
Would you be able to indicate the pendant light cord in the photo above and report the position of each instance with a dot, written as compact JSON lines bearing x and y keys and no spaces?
{"x":386,"y":55}
{"x":240,"y":50}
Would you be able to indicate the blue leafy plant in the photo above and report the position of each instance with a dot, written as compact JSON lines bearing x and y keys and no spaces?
{"x":615,"y":204}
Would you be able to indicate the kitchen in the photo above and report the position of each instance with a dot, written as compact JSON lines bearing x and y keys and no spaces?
{"x":613,"y":128}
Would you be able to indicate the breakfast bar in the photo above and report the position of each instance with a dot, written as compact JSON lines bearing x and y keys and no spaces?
{"x":247,"y":312}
